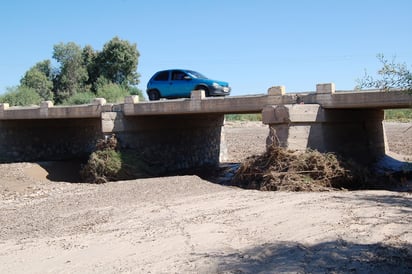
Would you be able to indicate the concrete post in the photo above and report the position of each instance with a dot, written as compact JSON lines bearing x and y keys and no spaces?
{"x":98,"y":101}
{"x":328,"y":88}
{"x":3,"y":107}
{"x":277,"y":91}
{"x":129,"y":102}
{"x":197,"y":94}
{"x":44,"y":108}
{"x":196,"y":97}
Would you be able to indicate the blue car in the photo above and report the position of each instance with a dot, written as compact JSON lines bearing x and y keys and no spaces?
{"x":179,"y":83}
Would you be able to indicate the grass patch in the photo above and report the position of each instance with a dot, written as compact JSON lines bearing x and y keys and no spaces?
{"x":398,"y":115}
{"x":244,"y":117}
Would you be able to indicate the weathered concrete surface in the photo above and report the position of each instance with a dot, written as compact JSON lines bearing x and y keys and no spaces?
{"x":198,"y":104}
{"x":170,"y":142}
{"x":48,"y":139}
{"x":327,"y":97}
{"x":361,"y":100}
{"x":47,"y":111}
{"x":357,"y":134}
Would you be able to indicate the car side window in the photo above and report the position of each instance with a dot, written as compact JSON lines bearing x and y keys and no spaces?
{"x":162,"y":76}
{"x":178,"y":75}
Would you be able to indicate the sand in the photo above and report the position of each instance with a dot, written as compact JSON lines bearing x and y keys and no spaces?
{"x":184,"y":224}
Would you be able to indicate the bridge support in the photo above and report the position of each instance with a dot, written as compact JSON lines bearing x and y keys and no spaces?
{"x":356,"y":134}
{"x":169,"y":143}
{"x":48,"y":139}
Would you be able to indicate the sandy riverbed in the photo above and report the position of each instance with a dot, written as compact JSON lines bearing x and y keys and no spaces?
{"x":184,"y":224}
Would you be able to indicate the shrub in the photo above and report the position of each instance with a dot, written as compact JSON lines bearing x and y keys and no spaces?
{"x":21,"y":96}
{"x":80,"y":98}
{"x":102,"y":165}
{"x":401,"y":115}
{"x":113,"y":93}
{"x":108,"y":163}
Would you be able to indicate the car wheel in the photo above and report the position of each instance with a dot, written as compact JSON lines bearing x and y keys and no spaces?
{"x":153,"y":94}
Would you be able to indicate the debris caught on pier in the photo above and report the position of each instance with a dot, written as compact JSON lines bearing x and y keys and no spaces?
{"x":281,"y":169}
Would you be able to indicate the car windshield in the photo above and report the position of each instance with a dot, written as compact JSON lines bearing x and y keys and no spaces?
{"x":195,"y":74}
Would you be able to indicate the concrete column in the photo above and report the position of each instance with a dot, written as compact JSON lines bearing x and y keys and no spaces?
{"x":223,"y":154}
{"x":48,"y":139}
{"x":356,"y":134}
{"x":169,"y":143}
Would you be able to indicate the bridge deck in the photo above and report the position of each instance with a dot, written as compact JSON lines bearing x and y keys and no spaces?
{"x":198,"y":104}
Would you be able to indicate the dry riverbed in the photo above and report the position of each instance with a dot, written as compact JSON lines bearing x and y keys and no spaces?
{"x":184,"y":224}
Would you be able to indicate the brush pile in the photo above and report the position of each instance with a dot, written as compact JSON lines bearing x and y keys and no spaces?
{"x":282,"y":169}
{"x":109,"y":163}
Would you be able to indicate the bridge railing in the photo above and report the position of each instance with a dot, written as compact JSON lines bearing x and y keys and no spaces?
{"x":47,"y":110}
{"x":325,"y":95}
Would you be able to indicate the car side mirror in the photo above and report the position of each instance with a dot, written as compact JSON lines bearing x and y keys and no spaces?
{"x":187,"y":77}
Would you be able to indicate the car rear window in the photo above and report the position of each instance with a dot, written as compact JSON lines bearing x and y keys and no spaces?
{"x":162,"y":76}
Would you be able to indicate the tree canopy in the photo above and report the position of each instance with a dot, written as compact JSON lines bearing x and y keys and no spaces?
{"x":39,"y":78}
{"x":72,"y":75}
{"x":81,"y":74}
{"x":118,"y":62}
{"x":391,"y":75}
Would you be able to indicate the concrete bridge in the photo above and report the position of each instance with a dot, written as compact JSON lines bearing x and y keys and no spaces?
{"x":187,"y":133}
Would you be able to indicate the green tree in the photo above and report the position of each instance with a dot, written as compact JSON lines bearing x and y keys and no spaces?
{"x":90,"y":62}
{"x":39,"y":78}
{"x":72,"y":75}
{"x":21,"y":96}
{"x":84,"y":70}
{"x":391,"y":75}
{"x":118,"y":62}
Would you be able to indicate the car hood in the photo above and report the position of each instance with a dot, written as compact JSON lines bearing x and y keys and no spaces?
{"x":222,"y":83}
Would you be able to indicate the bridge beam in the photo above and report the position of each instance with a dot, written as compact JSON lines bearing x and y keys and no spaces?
{"x":357,"y":134}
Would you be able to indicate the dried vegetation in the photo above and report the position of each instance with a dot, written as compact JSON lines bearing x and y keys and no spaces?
{"x":108,"y":163}
{"x":282,"y":169}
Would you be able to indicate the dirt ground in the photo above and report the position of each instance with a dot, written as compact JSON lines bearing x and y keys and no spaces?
{"x":183,"y":224}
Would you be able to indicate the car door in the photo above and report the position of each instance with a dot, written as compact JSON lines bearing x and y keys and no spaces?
{"x":161,"y":82}
{"x":181,"y":83}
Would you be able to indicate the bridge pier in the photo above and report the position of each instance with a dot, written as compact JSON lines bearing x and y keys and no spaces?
{"x":357,"y":134}
{"x":48,"y":139}
{"x":169,"y":143}
{"x":48,"y":133}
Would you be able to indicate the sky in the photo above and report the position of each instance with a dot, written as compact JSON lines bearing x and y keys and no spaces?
{"x":252,"y":44}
